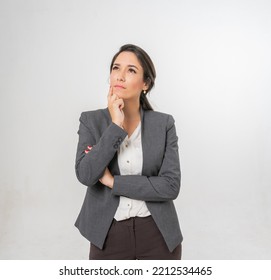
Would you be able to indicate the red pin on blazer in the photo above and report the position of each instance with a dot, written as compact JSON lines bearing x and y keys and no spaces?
{"x":88,"y":149}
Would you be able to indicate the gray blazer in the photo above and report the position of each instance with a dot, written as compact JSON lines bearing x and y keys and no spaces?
{"x":158,"y":186}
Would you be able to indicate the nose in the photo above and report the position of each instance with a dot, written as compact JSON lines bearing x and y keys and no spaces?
{"x":121,"y":76}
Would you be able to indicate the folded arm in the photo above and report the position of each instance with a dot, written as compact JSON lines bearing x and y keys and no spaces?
{"x":90,"y":166}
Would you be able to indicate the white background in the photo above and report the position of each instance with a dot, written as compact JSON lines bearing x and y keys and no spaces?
{"x":213,"y":75}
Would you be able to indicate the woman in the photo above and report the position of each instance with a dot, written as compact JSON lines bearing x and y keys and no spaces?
{"x":127,"y":155}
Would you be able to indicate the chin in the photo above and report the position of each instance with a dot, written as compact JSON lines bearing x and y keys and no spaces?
{"x":120,"y":94}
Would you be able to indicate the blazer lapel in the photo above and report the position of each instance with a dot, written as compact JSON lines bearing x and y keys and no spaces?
{"x":145,"y":140}
{"x":147,"y":146}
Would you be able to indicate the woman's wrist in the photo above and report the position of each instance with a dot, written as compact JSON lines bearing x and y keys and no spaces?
{"x":118,"y":124}
{"x":111,"y":184}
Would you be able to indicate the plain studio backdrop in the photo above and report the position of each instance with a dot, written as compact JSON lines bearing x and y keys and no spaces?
{"x":213,"y":75}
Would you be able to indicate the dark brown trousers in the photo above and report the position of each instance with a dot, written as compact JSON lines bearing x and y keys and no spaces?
{"x":135,"y":238}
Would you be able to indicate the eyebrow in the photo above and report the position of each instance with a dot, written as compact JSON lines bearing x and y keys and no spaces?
{"x":130,"y":65}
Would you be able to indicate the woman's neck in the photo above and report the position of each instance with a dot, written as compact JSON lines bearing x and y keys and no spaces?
{"x":131,"y":110}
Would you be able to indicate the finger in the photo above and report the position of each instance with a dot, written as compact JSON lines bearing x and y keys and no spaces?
{"x":119,"y":103}
{"x":111,"y":95}
{"x":122,"y":105}
{"x":112,"y":98}
{"x":110,"y":92}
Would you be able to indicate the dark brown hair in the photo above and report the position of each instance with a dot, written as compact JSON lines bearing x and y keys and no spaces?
{"x":148,"y":68}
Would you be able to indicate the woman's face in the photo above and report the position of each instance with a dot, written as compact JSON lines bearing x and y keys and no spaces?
{"x":126,"y":76}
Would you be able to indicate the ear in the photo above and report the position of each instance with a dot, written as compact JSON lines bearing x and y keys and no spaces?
{"x":146,"y":85}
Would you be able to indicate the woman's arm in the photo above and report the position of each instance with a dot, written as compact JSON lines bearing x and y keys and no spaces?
{"x":90,"y":166}
{"x":165,"y":186}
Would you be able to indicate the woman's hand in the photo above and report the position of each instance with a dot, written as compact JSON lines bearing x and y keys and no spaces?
{"x":115,"y":106}
{"x":107,"y":179}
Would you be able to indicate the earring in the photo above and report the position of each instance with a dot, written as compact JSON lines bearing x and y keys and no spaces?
{"x":144,"y":92}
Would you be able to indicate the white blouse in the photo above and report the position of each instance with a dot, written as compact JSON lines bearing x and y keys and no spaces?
{"x":130,"y":160}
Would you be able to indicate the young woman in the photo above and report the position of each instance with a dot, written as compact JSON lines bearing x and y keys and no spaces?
{"x":128,"y":158}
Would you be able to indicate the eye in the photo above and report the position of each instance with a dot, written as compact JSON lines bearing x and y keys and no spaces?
{"x":115,"y":67}
{"x":132,"y":70}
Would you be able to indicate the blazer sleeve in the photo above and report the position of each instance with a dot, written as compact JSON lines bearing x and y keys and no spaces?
{"x":90,"y":166}
{"x":165,"y":186}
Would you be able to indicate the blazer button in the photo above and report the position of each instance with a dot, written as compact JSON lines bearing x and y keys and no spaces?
{"x":116,"y":146}
{"x":120,"y":139}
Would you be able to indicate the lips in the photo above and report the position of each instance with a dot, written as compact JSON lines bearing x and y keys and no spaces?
{"x":119,"y":86}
